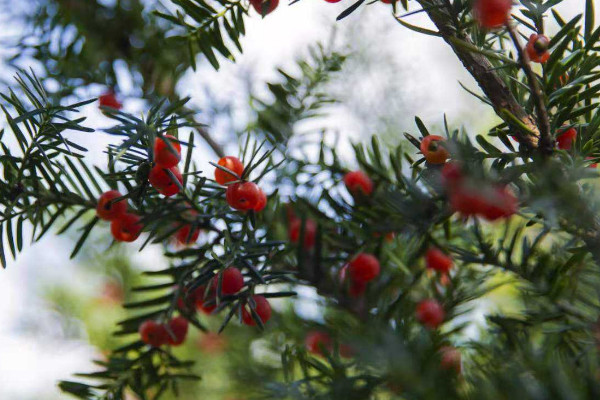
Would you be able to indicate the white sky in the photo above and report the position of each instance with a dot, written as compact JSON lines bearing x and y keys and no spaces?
{"x":416,"y":74}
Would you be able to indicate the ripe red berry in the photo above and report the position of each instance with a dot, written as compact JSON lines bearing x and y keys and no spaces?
{"x":364,"y":268}
{"x":264,"y":7}
{"x":450,"y":358}
{"x":492,"y":14}
{"x":317,"y":342}
{"x":243,"y":195}
{"x":153,"y":333}
{"x":432,"y":149}
{"x":109,"y":99}
{"x":163,"y":155}
{"x":501,"y":204}
{"x":355,"y":288}
{"x":437,"y":260}
{"x":263,"y":310}
{"x":430,"y":313}
{"x":185,"y":235}
{"x":310,"y":232}
{"x":232,"y":281}
{"x":177,"y":329}
{"x":205,"y":302}
{"x":357,"y":182}
{"x":565,"y":139}
{"x":231,"y":163}
{"x":466,"y":202}
{"x":261,"y":202}
{"x":451,"y":174}
{"x":161,"y":180}
{"x":126,"y":228}
{"x":537,"y":48}
{"x":108,"y":210}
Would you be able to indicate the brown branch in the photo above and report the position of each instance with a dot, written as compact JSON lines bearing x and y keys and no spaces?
{"x":546,"y":143}
{"x":484,"y":73}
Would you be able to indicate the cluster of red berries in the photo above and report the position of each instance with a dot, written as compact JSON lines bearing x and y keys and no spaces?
{"x":172,"y":333}
{"x":492,"y":14}
{"x":240,"y":195}
{"x":232,"y":282}
{"x":537,"y":48}
{"x":361,"y":270}
{"x":125,"y":227}
{"x":492,"y":202}
{"x":319,"y":342}
{"x":164,"y":173}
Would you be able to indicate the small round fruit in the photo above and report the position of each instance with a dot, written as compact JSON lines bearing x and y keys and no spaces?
{"x":177,"y":330}
{"x":108,"y":210}
{"x":262,"y":201}
{"x":205,"y":302}
{"x":232,"y":281}
{"x":437,"y":260}
{"x":310,"y":232}
{"x":163,"y":155}
{"x":450,"y":358}
{"x":126,"y":228}
{"x":153,"y":333}
{"x":263,"y":310}
{"x":432,"y":149}
{"x":451,"y":174}
{"x":185,"y":234}
{"x":357,"y":182}
{"x":264,"y":7}
{"x":243,"y":196}
{"x":316,"y":342}
{"x":109,"y":99}
{"x":364,"y":268}
{"x":537,"y":48}
{"x":430,"y":313}
{"x":355,"y":289}
{"x":492,"y":14}
{"x":565,"y":139}
{"x":234,"y":165}
{"x":161,"y":180}
{"x":501,"y":204}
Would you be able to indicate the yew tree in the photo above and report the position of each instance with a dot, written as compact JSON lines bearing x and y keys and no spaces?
{"x":401,"y":244}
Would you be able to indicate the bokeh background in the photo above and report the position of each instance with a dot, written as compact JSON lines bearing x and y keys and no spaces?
{"x":56,"y":314}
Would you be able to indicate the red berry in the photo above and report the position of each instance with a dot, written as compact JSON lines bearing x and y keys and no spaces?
{"x":163,"y":155}
{"x":437,"y":260}
{"x":388,"y":1}
{"x":450,"y":358}
{"x":502,"y":203}
{"x":451,"y":174}
{"x":177,"y":329}
{"x":317,"y":341}
{"x":467,"y":202}
{"x":185,"y":235}
{"x":153,"y":333}
{"x":492,"y":14}
{"x":109,"y":99}
{"x":108,"y":210}
{"x":364,"y":268}
{"x":565,"y":139}
{"x":310,"y":232}
{"x":262,"y":201}
{"x":263,"y":309}
{"x":358,"y":182}
{"x":430,"y":313}
{"x":355,"y":288}
{"x":433,"y":151}
{"x":264,"y":7}
{"x":162,"y":181}
{"x":243,"y":195}
{"x":232,"y":281}
{"x":205,"y":302}
{"x":594,"y":165}
{"x":126,"y":228}
{"x":537,"y":48}
{"x":234,"y":165}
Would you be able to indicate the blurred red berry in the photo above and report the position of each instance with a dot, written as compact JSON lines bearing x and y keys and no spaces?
{"x":430,"y":313}
{"x":450,"y":358}
{"x":108,"y":210}
{"x":264,"y":7}
{"x":263,"y":310}
{"x":364,"y":268}
{"x":153,"y":333}
{"x":163,"y":155}
{"x":437,"y":260}
{"x":357,"y":182}
{"x":232,"y":281}
{"x":310,"y":232}
{"x":317,"y":341}
{"x":231,"y":163}
{"x":126,"y":228}
{"x":185,"y":235}
{"x":451,"y":174}
{"x":565,"y":138}
{"x":492,"y":14}
{"x":177,"y":329}
{"x":109,"y":99}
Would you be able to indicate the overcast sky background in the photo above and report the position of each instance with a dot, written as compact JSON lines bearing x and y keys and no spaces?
{"x":402,"y":74}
